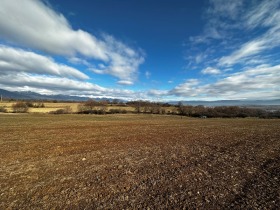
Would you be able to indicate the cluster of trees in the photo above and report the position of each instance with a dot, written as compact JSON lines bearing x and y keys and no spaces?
{"x":35,"y":105}
{"x":201,"y":111}
{"x":101,"y":107}
{"x":93,"y":107}
{"x":148,"y":107}
{"x":225,"y":112}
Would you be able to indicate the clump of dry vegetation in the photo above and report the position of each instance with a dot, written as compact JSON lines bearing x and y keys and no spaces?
{"x":3,"y":109}
{"x":138,"y":162}
{"x":20,"y":107}
{"x":66,"y":110}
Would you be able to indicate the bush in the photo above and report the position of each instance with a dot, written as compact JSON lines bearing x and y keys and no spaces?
{"x":29,"y":104}
{"x":117,"y":111}
{"x":92,"y":107}
{"x":58,"y":111}
{"x":66,"y":110}
{"x":39,"y":105}
{"x":20,"y":107}
{"x":3,"y":109}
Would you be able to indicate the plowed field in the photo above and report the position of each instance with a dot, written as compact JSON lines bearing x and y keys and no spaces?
{"x":138,"y":161}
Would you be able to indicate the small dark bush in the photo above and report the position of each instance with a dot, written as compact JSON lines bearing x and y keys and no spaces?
{"x":124,"y":111}
{"x":3,"y":109}
{"x":66,"y":110}
{"x":117,"y":111}
{"x":29,"y":104}
{"x":58,"y":111}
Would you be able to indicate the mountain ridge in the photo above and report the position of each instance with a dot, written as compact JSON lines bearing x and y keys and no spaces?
{"x":29,"y":95}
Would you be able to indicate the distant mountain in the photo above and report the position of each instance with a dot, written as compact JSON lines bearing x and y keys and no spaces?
{"x":28,"y":95}
{"x":12,"y":95}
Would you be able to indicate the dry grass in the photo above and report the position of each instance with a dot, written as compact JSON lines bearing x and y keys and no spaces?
{"x":138,"y":161}
{"x":48,"y":107}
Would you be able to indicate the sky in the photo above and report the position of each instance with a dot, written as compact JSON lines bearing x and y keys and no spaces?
{"x":142,"y":49}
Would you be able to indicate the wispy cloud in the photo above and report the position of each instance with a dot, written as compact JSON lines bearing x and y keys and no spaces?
{"x":52,"y":33}
{"x":259,"y":82}
{"x":264,"y":16}
{"x":248,"y":33}
{"x":266,"y":13}
{"x":239,"y":30}
{"x":220,"y":16}
{"x":210,"y":70}
{"x":147,"y":74}
{"x":188,"y":88}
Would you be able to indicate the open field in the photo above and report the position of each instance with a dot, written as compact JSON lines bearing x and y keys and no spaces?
{"x":138,"y":161}
{"x":51,"y":106}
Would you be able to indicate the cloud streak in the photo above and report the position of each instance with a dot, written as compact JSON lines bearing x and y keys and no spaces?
{"x":211,"y":71}
{"x":14,"y":60}
{"x":57,"y":85}
{"x":262,"y":81}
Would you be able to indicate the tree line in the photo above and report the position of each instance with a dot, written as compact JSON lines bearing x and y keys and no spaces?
{"x":147,"y":107}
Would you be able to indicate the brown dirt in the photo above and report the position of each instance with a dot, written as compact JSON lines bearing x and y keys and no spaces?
{"x":138,"y":161}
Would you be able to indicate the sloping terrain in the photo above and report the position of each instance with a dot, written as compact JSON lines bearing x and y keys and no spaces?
{"x":138,"y":161}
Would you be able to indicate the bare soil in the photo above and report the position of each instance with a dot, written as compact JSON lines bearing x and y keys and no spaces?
{"x":138,"y":161}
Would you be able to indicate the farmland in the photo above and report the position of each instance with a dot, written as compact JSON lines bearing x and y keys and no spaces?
{"x":138,"y":161}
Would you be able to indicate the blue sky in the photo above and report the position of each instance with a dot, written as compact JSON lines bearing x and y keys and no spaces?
{"x":149,"y":50}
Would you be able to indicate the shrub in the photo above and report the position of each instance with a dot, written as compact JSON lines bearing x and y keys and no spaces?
{"x":123,"y":111}
{"x":117,"y":111}
{"x":39,"y":105}
{"x":20,"y":107}
{"x":66,"y":110}
{"x":29,"y":104}
{"x":93,"y":107}
{"x":58,"y":111}
{"x":3,"y":109}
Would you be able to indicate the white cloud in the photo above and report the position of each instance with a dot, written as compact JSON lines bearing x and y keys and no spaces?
{"x":238,"y":34}
{"x":255,"y":83}
{"x":124,"y":61}
{"x":158,"y":93}
{"x":17,"y":60}
{"x":148,"y":74}
{"x":266,"y":16}
{"x":229,"y":9}
{"x":80,"y":61}
{"x":32,"y":23}
{"x":217,"y":15}
{"x":210,"y":70}
{"x":47,"y":82}
{"x":266,"y":13}
{"x":57,"y":85}
{"x":125,"y":82}
{"x":188,"y":88}
{"x":262,"y":44}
